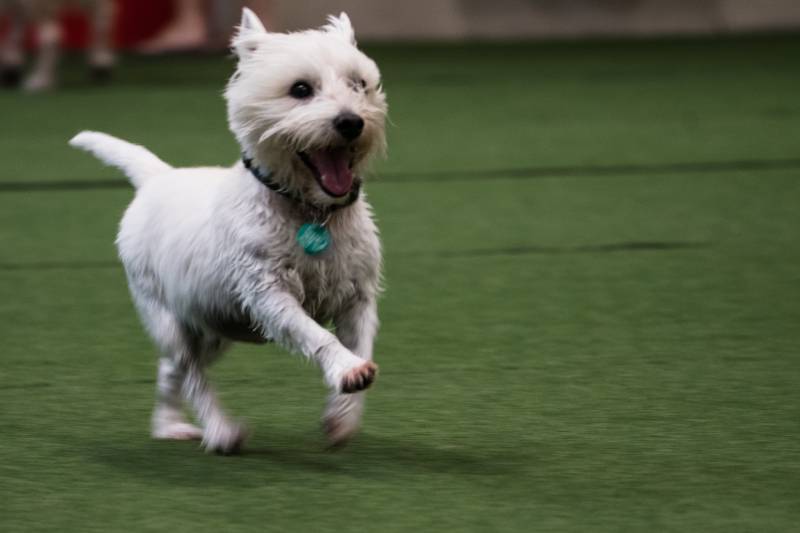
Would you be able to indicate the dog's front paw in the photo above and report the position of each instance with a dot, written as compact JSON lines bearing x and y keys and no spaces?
{"x":342,"y":417}
{"x":224,"y":437}
{"x":359,"y":378}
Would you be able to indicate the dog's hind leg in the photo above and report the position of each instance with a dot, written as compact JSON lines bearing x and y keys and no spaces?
{"x":168,"y":420}
{"x":185,"y":353}
{"x":356,"y":328}
{"x":220,"y":433}
{"x":176,"y":345}
{"x":181,"y":374}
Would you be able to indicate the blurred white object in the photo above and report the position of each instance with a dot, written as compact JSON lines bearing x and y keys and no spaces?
{"x":43,"y":14}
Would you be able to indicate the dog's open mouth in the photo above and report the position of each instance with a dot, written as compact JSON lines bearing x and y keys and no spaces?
{"x":332,"y":168}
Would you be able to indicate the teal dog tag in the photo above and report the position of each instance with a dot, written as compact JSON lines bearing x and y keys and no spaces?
{"x":313,"y":238}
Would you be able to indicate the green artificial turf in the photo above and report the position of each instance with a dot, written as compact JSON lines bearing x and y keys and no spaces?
{"x":591,"y":320}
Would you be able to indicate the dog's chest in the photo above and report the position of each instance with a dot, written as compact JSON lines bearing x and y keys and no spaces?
{"x":325,"y":283}
{"x":348,"y":269}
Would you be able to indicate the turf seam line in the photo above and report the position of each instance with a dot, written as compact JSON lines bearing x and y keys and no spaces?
{"x":631,"y":246}
{"x":59,"y":265}
{"x":273,"y":378}
{"x":596,"y":170}
{"x":471,"y":175}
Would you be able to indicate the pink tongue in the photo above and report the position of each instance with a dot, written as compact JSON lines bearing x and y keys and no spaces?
{"x":334,"y":169}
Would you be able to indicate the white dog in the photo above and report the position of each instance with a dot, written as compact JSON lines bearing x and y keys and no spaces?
{"x":275,"y":247}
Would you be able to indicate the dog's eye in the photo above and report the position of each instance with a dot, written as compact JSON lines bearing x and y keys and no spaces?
{"x":358,"y":84}
{"x":301,"y":90}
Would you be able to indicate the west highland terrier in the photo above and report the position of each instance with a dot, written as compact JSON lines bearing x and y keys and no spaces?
{"x":272,"y":249}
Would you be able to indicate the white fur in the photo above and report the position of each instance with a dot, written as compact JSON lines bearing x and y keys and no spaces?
{"x":203,"y":246}
{"x":137,"y":162}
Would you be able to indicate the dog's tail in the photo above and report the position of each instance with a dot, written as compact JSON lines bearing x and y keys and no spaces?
{"x":137,"y":162}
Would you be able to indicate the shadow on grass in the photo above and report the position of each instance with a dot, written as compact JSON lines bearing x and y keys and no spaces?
{"x":302,"y":456}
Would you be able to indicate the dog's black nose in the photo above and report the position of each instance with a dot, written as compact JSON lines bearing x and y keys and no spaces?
{"x":349,"y":125}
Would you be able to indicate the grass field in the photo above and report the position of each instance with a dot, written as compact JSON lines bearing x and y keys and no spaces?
{"x":591,"y":320}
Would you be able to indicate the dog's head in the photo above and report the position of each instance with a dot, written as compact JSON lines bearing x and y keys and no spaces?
{"x":308,"y":105}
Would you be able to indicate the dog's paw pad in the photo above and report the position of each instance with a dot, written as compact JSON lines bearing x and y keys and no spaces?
{"x":178,"y":431}
{"x":359,"y":378}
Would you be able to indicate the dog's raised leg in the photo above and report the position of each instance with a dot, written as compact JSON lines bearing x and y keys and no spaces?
{"x":356,"y":329}
{"x":282,"y":318}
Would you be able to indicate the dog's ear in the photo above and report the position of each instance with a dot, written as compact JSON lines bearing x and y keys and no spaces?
{"x":250,"y":34}
{"x":250,"y":22}
{"x":341,"y":25}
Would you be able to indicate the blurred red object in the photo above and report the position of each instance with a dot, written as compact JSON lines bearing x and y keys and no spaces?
{"x":138,"y":20}
{"x":135,"y":21}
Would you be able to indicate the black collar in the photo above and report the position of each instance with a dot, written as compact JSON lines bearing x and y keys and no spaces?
{"x":266,"y":180}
